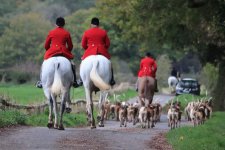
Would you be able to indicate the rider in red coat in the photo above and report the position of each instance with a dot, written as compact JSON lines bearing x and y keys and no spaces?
{"x":59,"y":43}
{"x":95,"y":41}
{"x":148,"y":67}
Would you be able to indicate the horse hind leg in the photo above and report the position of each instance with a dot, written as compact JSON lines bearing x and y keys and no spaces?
{"x":62,"y":109}
{"x":68,"y":103}
{"x":50,"y":118}
{"x":55,"y":110}
{"x":89,"y":107}
{"x":101,"y":110}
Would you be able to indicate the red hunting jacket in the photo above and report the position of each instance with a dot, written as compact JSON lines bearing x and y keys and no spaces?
{"x":58,"y":42}
{"x":95,"y":41}
{"x":148,"y":67}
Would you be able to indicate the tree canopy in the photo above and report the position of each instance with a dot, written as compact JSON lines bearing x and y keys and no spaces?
{"x":195,"y":26}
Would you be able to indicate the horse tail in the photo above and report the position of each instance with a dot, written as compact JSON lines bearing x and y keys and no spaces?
{"x":97,"y":80}
{"x":57,"y":83}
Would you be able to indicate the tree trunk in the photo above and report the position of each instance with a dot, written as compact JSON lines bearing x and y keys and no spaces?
{"x":219,"y":92}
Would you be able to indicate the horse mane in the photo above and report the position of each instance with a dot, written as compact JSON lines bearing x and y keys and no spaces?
{"x":97,"y":80}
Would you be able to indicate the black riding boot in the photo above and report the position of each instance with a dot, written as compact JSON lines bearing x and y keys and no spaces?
{"x":112,"y":81}
{"x":156,"y":86}
{"x":39,"y":83}
{"x":75,"y":84}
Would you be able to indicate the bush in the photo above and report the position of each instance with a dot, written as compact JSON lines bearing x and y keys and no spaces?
{"x":13,"y":76}
{"x":209,"y":76}
{"x":163,"y":71}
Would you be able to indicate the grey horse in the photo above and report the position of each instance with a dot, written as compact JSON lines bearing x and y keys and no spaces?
{"x":172,"y":82}
{"x":95,"y":71}
{"x":56,"y":77}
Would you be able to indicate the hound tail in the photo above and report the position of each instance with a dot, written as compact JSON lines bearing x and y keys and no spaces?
{"x":57,"y":83}
{"x":97,"y":80}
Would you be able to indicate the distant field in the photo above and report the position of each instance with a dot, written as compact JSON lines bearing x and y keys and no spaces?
{"x":22,"y":94}
{"x":29,"y":94}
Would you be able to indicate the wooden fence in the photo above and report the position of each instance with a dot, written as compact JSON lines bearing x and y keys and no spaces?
{"x":78,"y":106}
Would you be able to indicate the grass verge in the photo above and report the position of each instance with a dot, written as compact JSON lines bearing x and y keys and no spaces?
{"x":12,"y":117}
{"x":210,"y":136}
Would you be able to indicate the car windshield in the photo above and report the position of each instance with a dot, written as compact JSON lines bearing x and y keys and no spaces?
{"x":188,"y":83}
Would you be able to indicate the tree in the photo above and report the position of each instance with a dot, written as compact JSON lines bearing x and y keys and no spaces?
{"x":77,"y":23}
{"x":23,"y":39}
{"x":180,"y":25}
{"x":164,"y":69}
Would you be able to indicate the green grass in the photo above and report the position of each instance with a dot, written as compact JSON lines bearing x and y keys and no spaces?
{"x":28,"y":94}
{"x":11,"y":117}
{"x":124,"y":95}
{"x":22,"y":94}
{"x":210,"y":136}
{"x":69,"y":120}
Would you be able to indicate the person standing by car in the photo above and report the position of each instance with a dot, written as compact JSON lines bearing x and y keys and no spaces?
{"x":174,"y":72}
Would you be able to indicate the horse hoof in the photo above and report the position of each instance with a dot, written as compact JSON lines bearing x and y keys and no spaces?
{"x":93,"y":127}
{"x":98,"y":118}
{"x":68,"y":110}
{"x":56,"y":126}
{"x":101,"y":125}
{"x":50,"y":125}
{"x":61,"y":127}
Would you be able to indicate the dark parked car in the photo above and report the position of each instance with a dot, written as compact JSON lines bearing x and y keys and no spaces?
{"x":188,"y":86}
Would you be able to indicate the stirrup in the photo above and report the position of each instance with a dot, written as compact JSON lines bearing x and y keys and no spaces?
{"x":39,"y":84}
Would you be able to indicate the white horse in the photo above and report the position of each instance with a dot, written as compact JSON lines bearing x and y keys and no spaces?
{"x":95,"y":72}
{"x":172,"y":82}
{"x":56,"y":77}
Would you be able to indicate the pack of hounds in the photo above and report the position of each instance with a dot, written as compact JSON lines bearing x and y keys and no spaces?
{"x":125,"y":112}
{"x":197,"y":112}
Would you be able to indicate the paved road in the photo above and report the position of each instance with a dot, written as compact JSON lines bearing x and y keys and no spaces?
{"x":111,"y":137}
